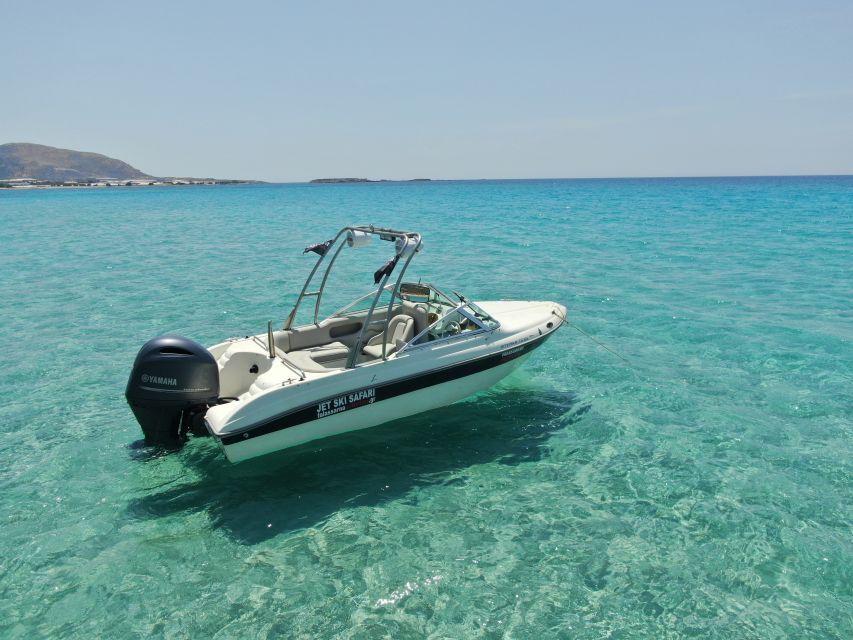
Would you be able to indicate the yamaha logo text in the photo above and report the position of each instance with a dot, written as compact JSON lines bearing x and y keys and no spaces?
{"x":169,"y":382}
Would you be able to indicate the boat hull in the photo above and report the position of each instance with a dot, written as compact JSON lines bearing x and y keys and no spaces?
{"x":425,"y":377}
{"x":373,"y":412}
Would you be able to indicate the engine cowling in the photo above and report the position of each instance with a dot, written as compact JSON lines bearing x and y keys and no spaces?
{"x":173,"y":379}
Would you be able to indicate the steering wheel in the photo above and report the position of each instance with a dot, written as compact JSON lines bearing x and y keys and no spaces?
{"x":452,"y":328}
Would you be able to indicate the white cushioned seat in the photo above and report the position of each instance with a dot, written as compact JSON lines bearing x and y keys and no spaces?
{"x":418,"y":313}
{"x":401,"y":329}
{"x":321,"y":358}
{"x":326,"y":352}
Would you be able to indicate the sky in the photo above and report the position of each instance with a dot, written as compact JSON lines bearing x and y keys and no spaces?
{"x":287,"y":91}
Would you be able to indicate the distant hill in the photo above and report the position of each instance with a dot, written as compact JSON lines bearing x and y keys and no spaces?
{"x":40,"y":162}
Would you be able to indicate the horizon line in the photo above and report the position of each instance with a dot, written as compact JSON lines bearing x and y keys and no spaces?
{"x":685,"y":177}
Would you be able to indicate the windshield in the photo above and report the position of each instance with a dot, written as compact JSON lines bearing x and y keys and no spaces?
{"x":427,"y":294}
{"x":434,"y":301}
{"x":485,"y":319}
{"x":363,"y":303}
{"x":436,"y":315}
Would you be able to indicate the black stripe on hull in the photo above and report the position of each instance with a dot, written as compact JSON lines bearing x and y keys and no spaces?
{"x":377,"y":393}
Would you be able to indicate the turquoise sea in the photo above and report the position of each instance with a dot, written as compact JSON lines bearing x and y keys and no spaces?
{"x":701,"y":490}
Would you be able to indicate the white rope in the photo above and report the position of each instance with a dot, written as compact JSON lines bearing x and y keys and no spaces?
{"x":600,"y":344}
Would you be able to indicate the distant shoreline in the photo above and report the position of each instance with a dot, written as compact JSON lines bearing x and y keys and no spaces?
{"x":350,"y":180}
{"x":27,"y":183}
{"x":17,"y":184}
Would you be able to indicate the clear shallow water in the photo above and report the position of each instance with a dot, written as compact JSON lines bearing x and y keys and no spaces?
{"x":704,"y":491}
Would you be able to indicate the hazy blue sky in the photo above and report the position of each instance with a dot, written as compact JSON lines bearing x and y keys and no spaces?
{"x":287,"y":91}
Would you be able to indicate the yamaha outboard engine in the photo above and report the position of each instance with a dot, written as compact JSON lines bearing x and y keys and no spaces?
{"x":173,"y":382}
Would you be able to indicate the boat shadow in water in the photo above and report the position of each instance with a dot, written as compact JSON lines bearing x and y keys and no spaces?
{"x":303,"y":486}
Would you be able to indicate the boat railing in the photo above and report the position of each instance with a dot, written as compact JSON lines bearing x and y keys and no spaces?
{"x":287,"y":363}
{"x":279,"y":355}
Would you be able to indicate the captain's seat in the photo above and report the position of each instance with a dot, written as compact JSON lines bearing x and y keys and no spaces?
{"x":419,"y":313}
{"x":401,"y":329}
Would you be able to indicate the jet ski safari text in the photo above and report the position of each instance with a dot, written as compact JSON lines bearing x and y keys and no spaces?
{"x":346,"y":402}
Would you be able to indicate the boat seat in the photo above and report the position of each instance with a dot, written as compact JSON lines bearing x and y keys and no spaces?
{"x":401,"y":329}
{"x":321,"y":358}
{"x":326,"y":352}
{"x":418,"y":313}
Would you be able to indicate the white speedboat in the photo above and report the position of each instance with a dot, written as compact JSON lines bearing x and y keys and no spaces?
{"x":403,"y":348}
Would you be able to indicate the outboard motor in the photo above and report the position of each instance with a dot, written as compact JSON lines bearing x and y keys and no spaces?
{"x":173,"y":382}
